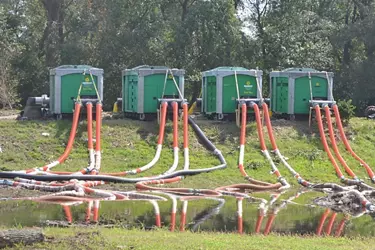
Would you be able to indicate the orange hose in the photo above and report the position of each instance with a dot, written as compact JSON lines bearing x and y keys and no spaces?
{"x":269,"y":126}
{"x":98,"y":126}
{"x":162,"y":122}
{"x":325,"y":144}
{"x":330,"y":224}
{"x":72,"y":135}
{"x":347,"y":145}
{"x":334,"y":145}
{"x":243,"y":136}
{"x":175,"y":124}
{"x":259,"y":127}
{"x":322,"y":220}
{"x":89,"y":126}
{"x":186,"y":125}
{"x":243,"y":124}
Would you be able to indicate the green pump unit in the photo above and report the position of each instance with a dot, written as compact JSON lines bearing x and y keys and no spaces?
{"x":294,"y":91}
{"x":65,"y":84}
{"x":221,"y":95}
{"x":144,"y":86}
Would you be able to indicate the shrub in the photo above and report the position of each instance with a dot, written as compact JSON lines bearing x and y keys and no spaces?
{"x":346,"y":109}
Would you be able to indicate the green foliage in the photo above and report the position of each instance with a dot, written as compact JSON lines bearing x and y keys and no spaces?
{"x":347,"y":110}
{"x":192,"y":34}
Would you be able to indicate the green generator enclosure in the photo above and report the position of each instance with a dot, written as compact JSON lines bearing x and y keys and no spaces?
{"x":219,"y":90}
{"x":292,"y":90}
{"x":65,"y":82}
{"x":143,"y":86}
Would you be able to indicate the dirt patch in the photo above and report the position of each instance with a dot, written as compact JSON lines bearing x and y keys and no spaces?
{"x":9,"y":117}
{"x":81,"y":240}
{"x":9,"y":112}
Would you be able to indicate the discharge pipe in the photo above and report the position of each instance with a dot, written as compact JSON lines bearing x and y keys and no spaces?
{"x":90,"y":145}
{"x":175,"y":139}
{"x":347,"y":145}
{"x":334,"y":145}
{"x":255,"y":184}
{"x":69,"y":146}
{"x":98,"y":154}
{"x":326,"y":148}
{"x":300,"y":180}
{"x":264,"y":148}
{"x":159,"y":146}
{"x":186,"y":135}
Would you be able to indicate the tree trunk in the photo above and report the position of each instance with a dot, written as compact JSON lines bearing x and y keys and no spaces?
{"x":10,"y":238}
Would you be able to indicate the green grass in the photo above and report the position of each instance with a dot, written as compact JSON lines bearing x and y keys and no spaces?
{"x":161,"y":239}
{"x":129,"y":144}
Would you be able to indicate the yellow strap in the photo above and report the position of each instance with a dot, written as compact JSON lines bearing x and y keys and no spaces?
{"x":96,"y":90}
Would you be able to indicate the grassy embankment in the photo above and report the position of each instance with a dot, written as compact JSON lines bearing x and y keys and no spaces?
{"x":129,"y":144}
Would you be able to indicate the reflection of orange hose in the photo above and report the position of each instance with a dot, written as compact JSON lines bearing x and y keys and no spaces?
{"x":96,"y":211}
{"x":259,"y":222}
{"x":334,"y":145}
{"x":68,"y":214}
{"x":340,"y":227}
{"x":347,"y":145}
{"x":269,"y":224}
{"x":183,"y":216}
{"x":173,"y":221}
{"x":88,"y":211}
{"x":330,"y":223}
{"x":325,"y":144}
{"x":322,"y":220}
{"x":239,"y":216}
{"x":253,"y":187}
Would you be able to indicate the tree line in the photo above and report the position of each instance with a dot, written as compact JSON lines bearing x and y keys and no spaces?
{"x":195,"y":35}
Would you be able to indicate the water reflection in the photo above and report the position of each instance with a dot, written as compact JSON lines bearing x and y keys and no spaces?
{"x":291,"y":212}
